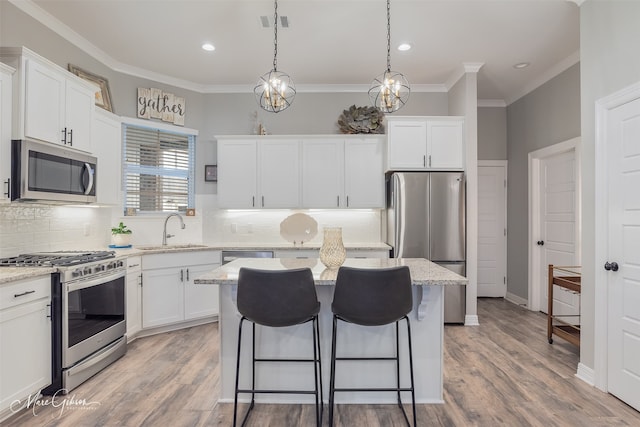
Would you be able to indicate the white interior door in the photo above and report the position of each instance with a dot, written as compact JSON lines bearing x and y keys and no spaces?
{"x":623,"y":285}
{"x":492,"y":235}
{"x":557,"y":242}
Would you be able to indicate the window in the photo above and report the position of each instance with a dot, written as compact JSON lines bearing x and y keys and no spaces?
{"x":158,"y":168}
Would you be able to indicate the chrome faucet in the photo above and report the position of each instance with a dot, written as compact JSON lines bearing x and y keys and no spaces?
{"x":165,"y":236}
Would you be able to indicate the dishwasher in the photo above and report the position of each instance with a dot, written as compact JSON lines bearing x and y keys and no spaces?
{"x":228,"y":256}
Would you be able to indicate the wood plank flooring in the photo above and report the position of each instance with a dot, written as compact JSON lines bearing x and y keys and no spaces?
{"x":501,"y":373}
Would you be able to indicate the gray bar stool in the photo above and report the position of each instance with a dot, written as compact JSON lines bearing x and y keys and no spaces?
{"x":373,"y":297}
{"x":278,"y":298}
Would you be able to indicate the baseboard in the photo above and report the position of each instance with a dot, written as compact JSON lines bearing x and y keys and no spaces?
{"x":173,"y":327}
{"x":586,"y":374}
{"x":518,"y":300}
{"x":471,"y":320}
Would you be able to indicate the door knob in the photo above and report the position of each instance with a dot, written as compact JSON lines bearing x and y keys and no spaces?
{"x":611,"y":266}
{"x":540,"y":242}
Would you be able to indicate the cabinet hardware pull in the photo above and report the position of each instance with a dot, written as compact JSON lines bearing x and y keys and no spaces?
{"x":23,"y":294}
{"x":429,"y":160}
{"x":64,"y":136}
{"x":263,"y":201}
{"x":70,"y":137}
{"x":253,"y":201}
{"x":182,"y":275}
{"x":347,"y":201}
{"x":187,"y":274}
{"x":338,"y":202}
{"x":133,"y":265}
{"x":140,"y":280}
{"x":49,"y":315}
{"x":424,"y":161}
{"x":8,"y":193}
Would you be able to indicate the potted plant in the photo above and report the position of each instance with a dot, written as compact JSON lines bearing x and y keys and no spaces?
{"x":121,"y":235}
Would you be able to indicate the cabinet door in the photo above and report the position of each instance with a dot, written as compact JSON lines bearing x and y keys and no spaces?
{"x":25,"y":332}
{"x":162,"y":296}
{"x":44,"y":103}
{"x":364,"y":173}
{"x":79,"y":116}
{"x":445,"y":144}
{"x":279,"y":172}
{"x":107,"y":139}
{"x":322,"y":173}
{"x":134,"y":296}
{"x":5,"y":133}
{"x":237,"y":176}
{"x":200,"y":300}
{"x":407,"y":144}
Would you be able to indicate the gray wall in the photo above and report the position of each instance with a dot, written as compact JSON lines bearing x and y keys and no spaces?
{"x":609,"y":34}
{"x":492,"y":133}
{"x":546,"y":116}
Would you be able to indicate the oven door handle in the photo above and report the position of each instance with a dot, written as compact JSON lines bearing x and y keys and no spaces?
{"x":99,"y":280}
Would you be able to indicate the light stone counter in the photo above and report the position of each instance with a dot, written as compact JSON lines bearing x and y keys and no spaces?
{"x":11,"y":274}
{"x":427,"y":331}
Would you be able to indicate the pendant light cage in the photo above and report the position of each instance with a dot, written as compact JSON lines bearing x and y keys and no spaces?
{"x":275,"y":89}
{"x":389,"y":91}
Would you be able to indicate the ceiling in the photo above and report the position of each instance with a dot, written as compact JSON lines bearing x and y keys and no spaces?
{"x":329,"y":45}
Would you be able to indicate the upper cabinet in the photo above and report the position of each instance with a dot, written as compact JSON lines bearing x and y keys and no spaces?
{"x":50,"y":104}
{"x":425,"y":143}
{"x":343,"y":173}
{"x":301,"y":172}
{"x":258,"y":174}
{"x":107,"y":147}
{"x":6,"y":74}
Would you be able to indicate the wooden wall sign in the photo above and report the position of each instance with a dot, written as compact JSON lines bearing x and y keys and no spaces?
{"x":156,"y":104}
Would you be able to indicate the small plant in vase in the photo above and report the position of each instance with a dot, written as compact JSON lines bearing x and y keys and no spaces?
{"x":121,"y":235}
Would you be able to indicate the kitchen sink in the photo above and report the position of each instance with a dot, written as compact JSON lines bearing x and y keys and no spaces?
{"x":160,"y":247}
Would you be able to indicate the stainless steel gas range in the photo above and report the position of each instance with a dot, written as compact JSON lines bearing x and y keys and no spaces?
{"x":87,"y":312}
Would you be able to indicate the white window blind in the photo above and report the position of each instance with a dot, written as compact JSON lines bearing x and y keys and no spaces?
{"x":158,"y":168}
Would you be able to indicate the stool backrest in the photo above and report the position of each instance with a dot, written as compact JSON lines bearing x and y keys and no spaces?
{"x":370,"y":296}
{"x":277,"y":297}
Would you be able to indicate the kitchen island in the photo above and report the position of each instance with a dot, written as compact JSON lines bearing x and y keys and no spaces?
{"x":426,"y":329}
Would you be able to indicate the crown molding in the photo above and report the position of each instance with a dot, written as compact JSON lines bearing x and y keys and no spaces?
{"x":578,"y":2}
{"x":467,"y":67}
{"x":472,"y":67}
{"x":491,"y":103}
{"x":561,"y":66}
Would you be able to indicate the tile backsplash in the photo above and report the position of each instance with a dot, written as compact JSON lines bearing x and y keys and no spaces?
{"x":26,"y":227}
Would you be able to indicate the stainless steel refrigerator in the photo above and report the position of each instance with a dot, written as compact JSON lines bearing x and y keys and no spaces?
{"x":426,"y":219}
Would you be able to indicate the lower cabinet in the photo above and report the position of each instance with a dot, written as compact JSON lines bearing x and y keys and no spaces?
{"x":168,"y":293}
{"x":25,"y":333}
{"x":134,"y":296}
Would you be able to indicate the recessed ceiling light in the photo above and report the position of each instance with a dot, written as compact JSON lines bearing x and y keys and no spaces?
{"x":208,"y":47}
{"x":521,"y":65}
{"x":404,"y":47}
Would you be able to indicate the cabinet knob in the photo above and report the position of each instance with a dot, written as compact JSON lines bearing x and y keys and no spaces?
{"x":540,"y":242}
{"x":611,"y":266}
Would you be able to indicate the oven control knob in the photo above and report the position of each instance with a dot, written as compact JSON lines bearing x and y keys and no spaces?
{"x":110,"y":266}
{"x":87,"y":270}
{"x":76,"y":273}
{"x":120,"y":263}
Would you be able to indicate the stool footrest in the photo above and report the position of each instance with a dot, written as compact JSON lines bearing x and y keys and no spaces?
{"x":373,"y":389}
{"x":366,"y":358}
{"x":286,"y":360}
{"x":277,"y":391}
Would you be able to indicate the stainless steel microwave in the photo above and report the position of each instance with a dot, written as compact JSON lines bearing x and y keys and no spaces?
{"x":47,"y":172}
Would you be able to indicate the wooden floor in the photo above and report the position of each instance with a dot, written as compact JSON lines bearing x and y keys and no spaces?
{"x":501,"y":373}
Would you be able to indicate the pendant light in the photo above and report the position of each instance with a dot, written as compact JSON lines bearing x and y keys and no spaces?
{"x":390,"y":90}
{"x":275,"y":90}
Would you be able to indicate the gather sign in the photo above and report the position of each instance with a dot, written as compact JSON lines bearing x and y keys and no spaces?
{"x":156,"y":104}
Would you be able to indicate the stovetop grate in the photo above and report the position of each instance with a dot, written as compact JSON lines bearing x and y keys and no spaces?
{"x":56,"y":259}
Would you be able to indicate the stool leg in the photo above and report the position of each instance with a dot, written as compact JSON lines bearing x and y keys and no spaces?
{"x":332,"y":378}
{"x":235,"y":400}
{"x":314,"y":328}
{"x":413,"y":390}
{"x":398,"y":363}
{"x":253,"y":368}
{"x":320,"y":367}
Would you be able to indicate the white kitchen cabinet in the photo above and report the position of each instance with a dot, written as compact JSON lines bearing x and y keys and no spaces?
{"x":342,"y":173}
{"x":258,"y":174}
{"x":169,"y":295}
{"x":6,"y":74}
{"x":364,"y":173}
{"x":50,"y":104}
{"x":425,"y":143}
{"x":322,"y":173}
{"x":107,"y":147}
{"x":25,"y":333}
{"x":279,"y":173}
{"x":134,"y":296}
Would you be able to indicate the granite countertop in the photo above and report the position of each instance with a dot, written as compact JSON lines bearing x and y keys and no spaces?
{"x":423,"y":271}
{"x":11,"y":274}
